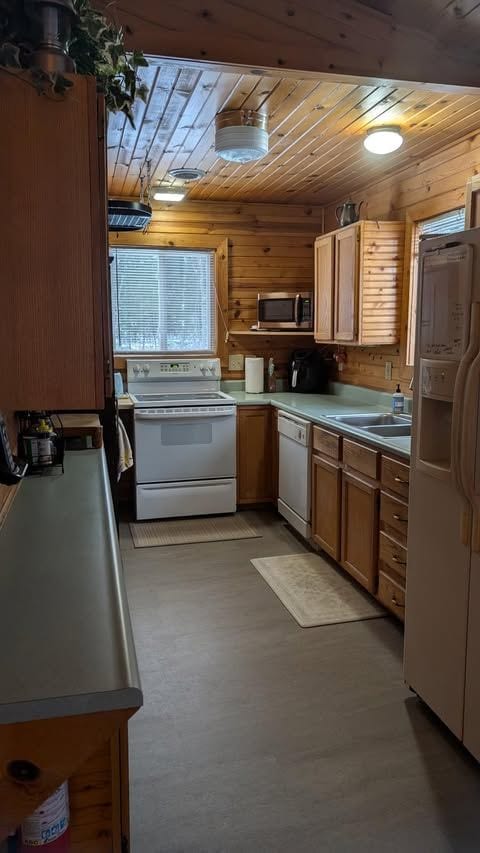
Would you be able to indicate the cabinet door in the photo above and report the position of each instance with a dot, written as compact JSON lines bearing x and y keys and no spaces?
{"x":360,"y":529}
{"x":54,"y":249}
{"x":326,"y":505}
{"x":324,"y":287}
{"x":346,"y":284}
{"x":254,"y":454}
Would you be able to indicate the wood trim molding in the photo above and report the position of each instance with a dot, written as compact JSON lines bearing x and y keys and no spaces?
{"x":472,"y":202}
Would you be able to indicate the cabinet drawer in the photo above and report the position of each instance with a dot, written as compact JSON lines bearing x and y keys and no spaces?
{"x":361,"y":458}
{"x":392,"y":557}
{"x":327,"y":443}
{"x":394,"y":517}
{"x":395,"y":476}
{"x":391,"y":595}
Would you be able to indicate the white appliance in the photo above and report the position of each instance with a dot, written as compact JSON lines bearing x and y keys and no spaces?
{"x":185,"y":438}
{"x":294,"y":460}
{"x":442,"y":631}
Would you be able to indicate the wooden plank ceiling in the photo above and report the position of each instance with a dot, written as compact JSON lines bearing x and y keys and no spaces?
{"x":429,"y":41}
{"x":316,"y":130}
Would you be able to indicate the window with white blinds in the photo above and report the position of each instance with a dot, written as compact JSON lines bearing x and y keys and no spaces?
{"x":445,"y":223}
{"x":163,"y":300}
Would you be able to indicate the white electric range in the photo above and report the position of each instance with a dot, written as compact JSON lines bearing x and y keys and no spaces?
{"x":185,"y":438}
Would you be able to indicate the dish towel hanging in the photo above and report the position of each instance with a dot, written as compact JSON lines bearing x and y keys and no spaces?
{"x":125,"y":455}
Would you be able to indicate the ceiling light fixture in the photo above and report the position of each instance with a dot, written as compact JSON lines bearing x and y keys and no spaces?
{"x":241,"y":135}
{"x":383,"y":140}
{"x":168,"y":193}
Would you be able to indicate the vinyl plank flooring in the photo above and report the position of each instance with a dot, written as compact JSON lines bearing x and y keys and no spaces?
{"x":257,"y":735}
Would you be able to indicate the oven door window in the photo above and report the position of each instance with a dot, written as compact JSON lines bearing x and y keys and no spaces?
{"x":185,"y":434}
{"x":277,"y":310}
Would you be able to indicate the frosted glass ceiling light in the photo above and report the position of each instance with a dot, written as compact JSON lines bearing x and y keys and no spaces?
{"x":383,"y":140}
{"x":241,"y":135}
{"x":168,"y":193}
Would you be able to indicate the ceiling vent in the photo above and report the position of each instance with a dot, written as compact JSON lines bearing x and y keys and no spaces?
{"x":186,"y":175}
{"x":241,"y":135}
{"x":128,"y":215}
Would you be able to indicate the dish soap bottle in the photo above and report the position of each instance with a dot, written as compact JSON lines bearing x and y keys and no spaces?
{"x":398,"y":402}
{"x":271,"y":376}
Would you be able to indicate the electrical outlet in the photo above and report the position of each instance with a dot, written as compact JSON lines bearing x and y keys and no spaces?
{"x":236,"y":362}
{"x":388,"y":370}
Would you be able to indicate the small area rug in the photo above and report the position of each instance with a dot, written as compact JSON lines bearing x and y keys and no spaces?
{"x":314,"y":591}
{"x":183,"y":531}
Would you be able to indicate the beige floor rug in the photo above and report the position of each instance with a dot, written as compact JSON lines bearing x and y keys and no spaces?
{"x":183,"y":531}
{"x":314,"y":591}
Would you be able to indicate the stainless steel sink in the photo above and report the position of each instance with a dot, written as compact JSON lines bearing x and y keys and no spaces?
{"x":372,"y":420}
{"x":390,"y":430}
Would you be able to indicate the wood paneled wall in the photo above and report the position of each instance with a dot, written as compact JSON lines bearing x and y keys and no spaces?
{"x":270,"y":247}
{"x":426,"y":188}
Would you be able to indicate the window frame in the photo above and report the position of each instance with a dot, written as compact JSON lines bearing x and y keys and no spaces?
{"x":412,"y":222}
{"x":220,"y":249}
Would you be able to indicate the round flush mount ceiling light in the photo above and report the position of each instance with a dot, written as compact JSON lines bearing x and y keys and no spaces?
{"x":383,"y":140}
{"x":241,"y":135}
{"x":186,"y":175}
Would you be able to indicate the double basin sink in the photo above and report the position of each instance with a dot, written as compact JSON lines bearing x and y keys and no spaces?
{"x":387,"y":425}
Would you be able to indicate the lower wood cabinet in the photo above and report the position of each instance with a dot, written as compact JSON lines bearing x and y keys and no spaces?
{"x":327,"y":504}
{"x":254,"y":454}
{"x":359,"y":550}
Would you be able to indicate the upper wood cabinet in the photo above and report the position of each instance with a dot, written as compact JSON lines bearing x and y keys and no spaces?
{"x":53,"y":339}
{"x":324,"y":272}
{"x":358,"y":284}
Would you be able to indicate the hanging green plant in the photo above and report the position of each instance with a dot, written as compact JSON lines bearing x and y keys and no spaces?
{"x":85,"y":42}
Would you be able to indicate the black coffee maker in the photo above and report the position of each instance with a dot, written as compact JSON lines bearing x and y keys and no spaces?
{"x":308,"y":372}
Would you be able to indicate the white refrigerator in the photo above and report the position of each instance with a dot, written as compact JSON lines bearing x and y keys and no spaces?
{"x":442,"y":617}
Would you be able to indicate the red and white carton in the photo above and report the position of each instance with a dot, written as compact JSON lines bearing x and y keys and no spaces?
{"x":47,"y":827}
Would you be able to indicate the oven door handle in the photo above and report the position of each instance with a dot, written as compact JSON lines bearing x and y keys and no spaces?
{"x":227,"y":412}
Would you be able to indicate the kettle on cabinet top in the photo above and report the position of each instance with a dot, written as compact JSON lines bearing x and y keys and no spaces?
{"x":348,"y":213}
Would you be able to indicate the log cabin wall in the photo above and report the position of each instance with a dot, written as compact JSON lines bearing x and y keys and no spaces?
{"x":270,"y":248}
{"x":426,"y":188}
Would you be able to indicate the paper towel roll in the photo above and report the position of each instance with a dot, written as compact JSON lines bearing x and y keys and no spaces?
{"x":254,"y":368}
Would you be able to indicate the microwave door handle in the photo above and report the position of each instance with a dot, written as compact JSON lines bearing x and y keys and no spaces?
{"x":298,"y":305}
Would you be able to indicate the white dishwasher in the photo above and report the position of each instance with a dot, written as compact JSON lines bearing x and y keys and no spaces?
{"x":294,"y":459}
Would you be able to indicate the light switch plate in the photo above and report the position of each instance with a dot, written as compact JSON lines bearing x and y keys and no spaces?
{"x":388,"y":370}
{"x":236,"y":362}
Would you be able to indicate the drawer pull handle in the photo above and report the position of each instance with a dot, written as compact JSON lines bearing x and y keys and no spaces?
{"x":399,"y":518}
{"x":399,"y":480}
{"x":397,"y":559}
{"x":397,"y":603}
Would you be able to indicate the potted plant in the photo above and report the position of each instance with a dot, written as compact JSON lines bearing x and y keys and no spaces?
{"x":49,"y":38}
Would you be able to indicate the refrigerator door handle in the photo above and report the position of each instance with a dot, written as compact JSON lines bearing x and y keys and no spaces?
{"x":467,"y":437}
{"x":458,"y":421}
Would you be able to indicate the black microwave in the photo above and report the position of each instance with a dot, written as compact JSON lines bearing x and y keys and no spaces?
{"x":285,"y":311}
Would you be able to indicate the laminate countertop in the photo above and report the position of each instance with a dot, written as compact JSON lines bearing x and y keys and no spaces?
{"x":318,"y":409}
{"x":65,"y":635}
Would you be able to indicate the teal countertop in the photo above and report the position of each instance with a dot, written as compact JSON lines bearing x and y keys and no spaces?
{"x":318,"y":407}
{"x":65,"y":629}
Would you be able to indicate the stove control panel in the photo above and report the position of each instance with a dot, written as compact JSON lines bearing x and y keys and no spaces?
{"x":139,"y":370}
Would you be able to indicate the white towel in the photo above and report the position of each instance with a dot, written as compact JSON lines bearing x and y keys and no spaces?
{"x":125,"y":455}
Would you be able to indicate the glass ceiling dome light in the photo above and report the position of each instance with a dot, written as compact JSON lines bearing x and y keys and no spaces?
{"x":383,"y":140}
{"x":241,"y":135}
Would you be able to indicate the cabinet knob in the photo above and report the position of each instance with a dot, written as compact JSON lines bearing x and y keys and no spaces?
{"x":23,"y":771}
{"x":399,"y":518}
{"x":399,"y":480}
{"x":396,"y":559}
